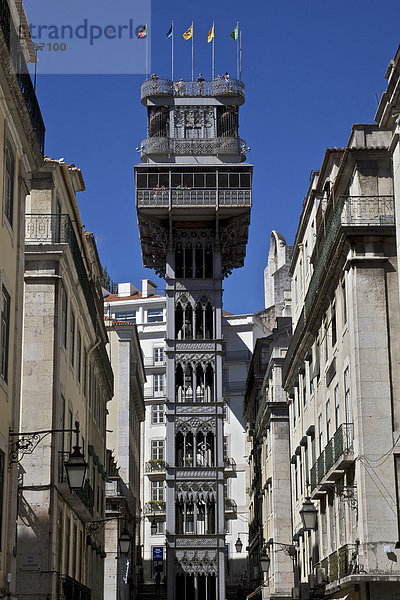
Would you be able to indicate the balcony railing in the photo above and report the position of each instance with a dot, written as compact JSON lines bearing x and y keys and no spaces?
{"x":367,"y":212}
{"x":194,"y":147}
{"x":152,"y":393}
{"x":230,"y":505}
{"x":350,"y":211}
{"x":58,"y":229}
{"x":338,"y":450}
{"x":341,"y":563}
{"x":150,"y":361}
{"x":86,"y":494}
{"x":73,"y":590}
{"x":166,"y":87}
{"x":155,"y":466}
{"x":21,"y":72}
{"x":229,"y":463}
{"x":159,"y":198}
{"x":156,"y":507}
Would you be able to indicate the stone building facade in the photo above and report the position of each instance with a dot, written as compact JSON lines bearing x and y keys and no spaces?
{"x":21,"y":150}
{"x":341,"y":377}
{"x":125,"y":415}
{"x":66,"y":377}
{"x":267,"y":416}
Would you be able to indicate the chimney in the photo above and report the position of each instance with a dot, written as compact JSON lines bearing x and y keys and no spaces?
{"x":148,"y":288}
{"x":126,"y":289}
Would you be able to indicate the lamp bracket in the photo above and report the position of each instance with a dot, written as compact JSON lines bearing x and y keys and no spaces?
{"x":27,"y":441}
{"x":95,"y":526}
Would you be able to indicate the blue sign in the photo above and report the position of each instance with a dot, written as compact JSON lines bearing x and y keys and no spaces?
{"x":227,"y":551}
{"x":158,"y":552}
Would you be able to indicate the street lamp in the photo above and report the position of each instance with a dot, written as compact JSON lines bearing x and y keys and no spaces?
{"x":27,"y":441}
{"x":265,"y":560}
{"x":239,"y":543}
{"x":124,"y":541}
{"x":309,"y":515}
{"x":153,"y":527}
{"x":76,"y":465}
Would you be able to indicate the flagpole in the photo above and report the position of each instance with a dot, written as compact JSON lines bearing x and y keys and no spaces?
{"x":213,"y":54}
{"x":147,"y":51}
{"x":172,"y":54}
{"x":240,"y":58}
{"x":192,"y":50}
{"x":237,"y":53}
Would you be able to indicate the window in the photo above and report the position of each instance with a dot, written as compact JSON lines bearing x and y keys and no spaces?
{"x":157,"y":449}
{"x":225,"y":409}
{"x":344,"y":301}
{"x":304,"y":389}
{"x":337,"y":406}
{"x":154,"y":315}
{"x":226,"y":446}
{"x":158,"y":355}
{"x":333,"y":327}
{"x":157,"y":491}
{"x":72,"y":340}
{"x":79,"y":356}
{"x":157,"y":413}
{"x":320,"y":434}
{"x":160,"y":527}
{"x":158,"y":384}
{"x":9,"y":184}
{"x":64,"y":317}
{"x":2,"y":456}
{"x":328,"y":420}
{"x":126,"y":316}
{"x":4,"y":333}
{"x":84,"y":371}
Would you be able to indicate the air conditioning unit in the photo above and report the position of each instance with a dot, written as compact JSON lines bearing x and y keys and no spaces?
{"x":296,"y":593}
{"x":320,"y":576}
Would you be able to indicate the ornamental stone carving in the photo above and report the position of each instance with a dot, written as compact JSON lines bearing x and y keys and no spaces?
{"x":198,"y":473}
{"x":195,"y":425}
{"x":193,"y":491}
{"x":233,"y":240}
{"x":196,"y":542}
{"x":202,"y":358}
{"x":197,"y":562}
{"x":194,"y":346}
{"x":198,"y":410}
{"x":154,"y":241}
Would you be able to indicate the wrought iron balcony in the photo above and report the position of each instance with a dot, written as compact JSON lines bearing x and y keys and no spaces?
{"x":229,"y":464}
{"x":21,"y":72}
{"x":48,"y":229}
{"x":150,"y":361}
{"x":73,"y":590}
{"x":159,"y":198}
{"x":156,"y":466}
{"x":194,"y":147}
{"x":230,"y":505}
{"x":350,"y":214}
{"x":341,"y":563}
{"x":337,"y":453}
{"x":188,"y":89}
{"x":156,"y":507}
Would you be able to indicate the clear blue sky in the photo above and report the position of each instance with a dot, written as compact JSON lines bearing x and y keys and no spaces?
{"x":311,"y":69}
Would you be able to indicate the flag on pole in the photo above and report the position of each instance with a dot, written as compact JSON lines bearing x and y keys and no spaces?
{"x":169,"y":34}
{"x":235,"y":33}
{"x":142,"y":32}
{"x":210,"y":35}
{"x":189,"y":33}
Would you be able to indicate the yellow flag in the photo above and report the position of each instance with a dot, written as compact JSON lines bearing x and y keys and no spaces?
{"x":188,"y":34}
{"x":210,"y":34}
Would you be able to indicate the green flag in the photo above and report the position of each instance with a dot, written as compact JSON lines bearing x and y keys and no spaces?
{"x":235,"y":33}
